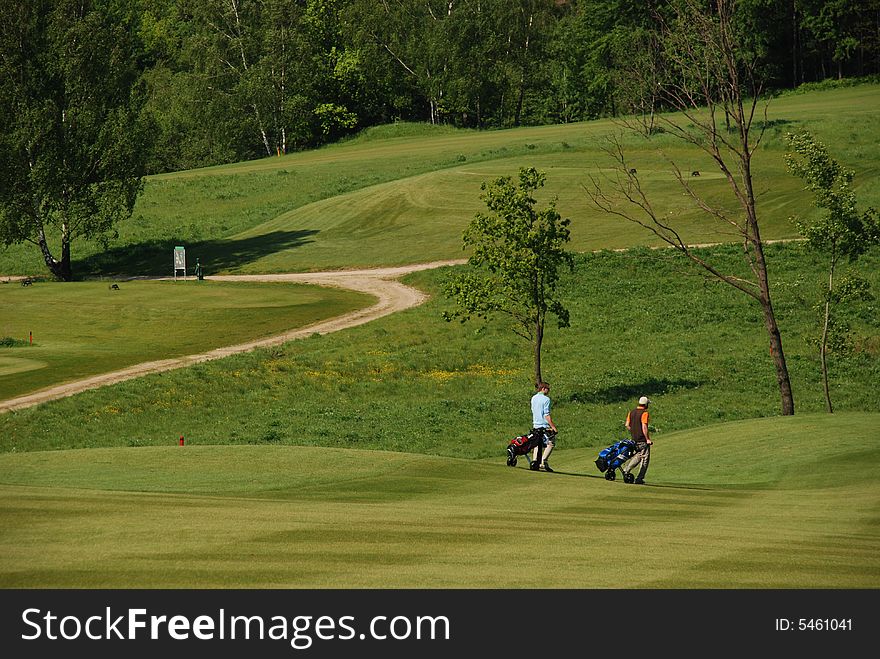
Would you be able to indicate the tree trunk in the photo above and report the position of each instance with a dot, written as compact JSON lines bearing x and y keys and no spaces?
{"x":60,"y":270}
{"x":823,"y":351}
{"x":522,"y":78}
{"x":539,"y":339}
{"x":823,"y":348}
{"x":66,"y":272}
{"x":263,"y":134}
{"x":778,"y":355}
{"x":770,"y":323}
{"x":50,"y":261}
{"x":763,"y":280}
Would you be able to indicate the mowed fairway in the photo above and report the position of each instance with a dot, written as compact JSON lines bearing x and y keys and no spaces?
{"x":403,"y":194}
{"x":81,"y":329}
{"x":424,"y":215}
{"x":286,"y":480}
{"x":774,"y":503}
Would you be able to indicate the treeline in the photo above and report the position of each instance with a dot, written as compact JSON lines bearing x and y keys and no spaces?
{"x":227,"y":80}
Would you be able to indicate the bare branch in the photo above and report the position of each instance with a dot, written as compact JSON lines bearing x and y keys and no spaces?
{"x":706,"y":74}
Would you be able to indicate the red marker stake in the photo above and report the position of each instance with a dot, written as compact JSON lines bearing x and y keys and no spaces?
{"x":181,"y":440}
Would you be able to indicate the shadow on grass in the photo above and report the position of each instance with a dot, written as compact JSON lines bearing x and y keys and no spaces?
{"x":619,"y":482}
{"x":624,"y":392}
{"x":154,"y":257}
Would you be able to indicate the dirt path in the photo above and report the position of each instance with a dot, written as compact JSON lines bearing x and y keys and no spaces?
{"x":382,"y":283}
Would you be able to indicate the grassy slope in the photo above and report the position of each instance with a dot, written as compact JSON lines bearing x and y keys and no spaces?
{"x":85,"y":328}
{"x":440,"y":366}
{"x":722,"y":513}
{"x":343,"y":205}
{"x":728,"y":506}
{"x":462,"y":390}
{"x":423,"y":215}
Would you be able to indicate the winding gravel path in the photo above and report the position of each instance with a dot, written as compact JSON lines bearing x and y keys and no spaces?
{"x":392,"y":296}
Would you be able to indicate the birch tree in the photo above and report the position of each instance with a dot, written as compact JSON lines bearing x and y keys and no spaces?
{"x":72,"y":149}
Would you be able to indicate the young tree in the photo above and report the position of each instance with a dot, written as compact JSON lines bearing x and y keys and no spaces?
{"x":842,"y":232}
{"x":518,"y":253}
{"x":710,"y":76}
{"x":71,"y":147}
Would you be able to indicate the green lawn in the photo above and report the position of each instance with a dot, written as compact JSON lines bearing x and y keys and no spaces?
{"x":374,"y":457}
{"x":773,"y":503}
{"x":425,"y":215}
{"x":459,"y":390}
{"x":81,"y":329}
{"x":415,"y":188}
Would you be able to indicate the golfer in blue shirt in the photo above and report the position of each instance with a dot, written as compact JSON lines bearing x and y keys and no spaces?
{"x":543,"y":428}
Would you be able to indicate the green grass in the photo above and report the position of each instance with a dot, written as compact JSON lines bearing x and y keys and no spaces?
{"x":698,"y":348}
{"x":86,"y":328}
{"x":417,"y":187}
{"x":374,"y":457}
{"x":773,"y":503}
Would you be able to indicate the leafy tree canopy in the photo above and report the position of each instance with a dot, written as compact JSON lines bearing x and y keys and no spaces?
{"x":518,"y":253}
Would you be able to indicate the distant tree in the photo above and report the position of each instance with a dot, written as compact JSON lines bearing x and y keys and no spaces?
{"x":249,"y":50}
{"x":71,"y":145}
{"x":525,"y":38}
{"x":845,"y":32}
{"x":591,"y":50}
{"x":411,"y":35}
{"x":638,"y":79}
{"x":518,"y":253}
{"x":842,"y":232}
{"x":711,"y":76}
{"x":473,"y":62}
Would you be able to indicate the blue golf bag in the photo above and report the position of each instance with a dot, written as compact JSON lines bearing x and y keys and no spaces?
{"x":612,"y":458}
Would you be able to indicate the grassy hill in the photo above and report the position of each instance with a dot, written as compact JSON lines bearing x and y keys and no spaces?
{"x":703,"y":346}
{"x":462,"y":390}
{"x":416,"y":188}
{"x":70,"y":331}
{"x":727,"y":506}
{"x":374,"y":457}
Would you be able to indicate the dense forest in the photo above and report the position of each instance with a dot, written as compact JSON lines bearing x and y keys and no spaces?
{"x":217,"y":81}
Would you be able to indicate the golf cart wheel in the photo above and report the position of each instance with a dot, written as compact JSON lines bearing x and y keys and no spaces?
{"x":628,"y":478}
{"x":609,"y":475}
{"x":511,"y":462}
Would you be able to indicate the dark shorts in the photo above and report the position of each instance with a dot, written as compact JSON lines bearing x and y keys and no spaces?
{"x":545,"y":434}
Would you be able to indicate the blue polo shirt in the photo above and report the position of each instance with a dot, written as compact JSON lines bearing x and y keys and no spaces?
{"x":540,"y":409}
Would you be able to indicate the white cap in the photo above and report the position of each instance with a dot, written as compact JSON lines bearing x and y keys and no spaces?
{"x":644,"y":400}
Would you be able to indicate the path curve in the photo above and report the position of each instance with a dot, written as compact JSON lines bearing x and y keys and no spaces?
{"x":392,"y":296}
